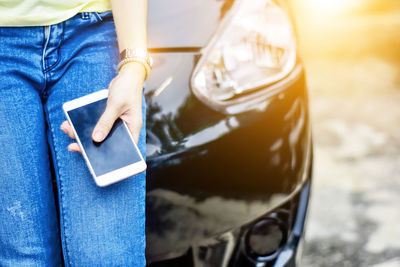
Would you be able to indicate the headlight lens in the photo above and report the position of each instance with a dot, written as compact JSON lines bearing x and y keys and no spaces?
{"x":255,"y":49}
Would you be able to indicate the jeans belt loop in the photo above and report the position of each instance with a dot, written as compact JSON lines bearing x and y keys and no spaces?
{"x":85,"y":15}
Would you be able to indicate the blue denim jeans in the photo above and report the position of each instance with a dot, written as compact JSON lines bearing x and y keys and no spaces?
{"x":82,"y":224}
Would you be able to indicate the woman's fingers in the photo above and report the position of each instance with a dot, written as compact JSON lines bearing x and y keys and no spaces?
{"x":66,"y":128}
{"x":134,"y":126}
{"x":74,"y":147}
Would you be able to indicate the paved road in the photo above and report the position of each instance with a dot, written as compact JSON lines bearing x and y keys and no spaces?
{"x":353,"y":65}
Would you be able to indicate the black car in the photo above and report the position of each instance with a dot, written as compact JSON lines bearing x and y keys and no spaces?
{"x":229,"y":147}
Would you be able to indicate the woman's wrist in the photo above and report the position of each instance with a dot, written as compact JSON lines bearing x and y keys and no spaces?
{"x":134,"y":68}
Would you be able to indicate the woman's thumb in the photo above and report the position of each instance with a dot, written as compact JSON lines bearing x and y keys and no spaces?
{"x":105,"y":123}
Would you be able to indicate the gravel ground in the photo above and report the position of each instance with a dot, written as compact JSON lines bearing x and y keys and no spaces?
{"x":352,"y":60}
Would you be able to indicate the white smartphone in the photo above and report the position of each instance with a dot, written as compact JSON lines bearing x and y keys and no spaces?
{"x":112,"y":160}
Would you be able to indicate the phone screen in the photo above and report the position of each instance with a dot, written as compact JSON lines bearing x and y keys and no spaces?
{"x":115,"y":152}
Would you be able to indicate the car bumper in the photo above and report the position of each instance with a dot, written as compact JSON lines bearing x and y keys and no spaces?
{"x":225,"y":249}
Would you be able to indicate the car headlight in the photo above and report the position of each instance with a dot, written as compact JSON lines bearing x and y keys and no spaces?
{"x":255,"y":47}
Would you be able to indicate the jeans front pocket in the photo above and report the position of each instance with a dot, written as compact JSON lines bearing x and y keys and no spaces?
{"x":104,"y":16}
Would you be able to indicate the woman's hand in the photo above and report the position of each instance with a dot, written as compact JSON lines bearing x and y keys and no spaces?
{"x":124,"y":101}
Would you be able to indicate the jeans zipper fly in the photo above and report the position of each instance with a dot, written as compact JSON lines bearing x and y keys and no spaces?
{"x":46,"y":42}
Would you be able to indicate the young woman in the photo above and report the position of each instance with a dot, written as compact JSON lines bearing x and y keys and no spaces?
{"x":53,"y":51}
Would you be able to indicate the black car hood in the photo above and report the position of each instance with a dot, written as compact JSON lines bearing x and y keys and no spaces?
{"x":183,"y":23}
{"x":209,"y":172}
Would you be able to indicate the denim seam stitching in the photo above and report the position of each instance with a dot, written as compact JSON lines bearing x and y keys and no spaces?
{"x":49,"y":68}
{"x":97,"y":15}
{"x":63,"y":220}
{"x":44,"y":93}
{"x":55,"y":63}
{"x":45,"y":43}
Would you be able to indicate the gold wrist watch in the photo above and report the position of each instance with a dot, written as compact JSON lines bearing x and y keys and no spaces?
{"x":138,"y":55}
